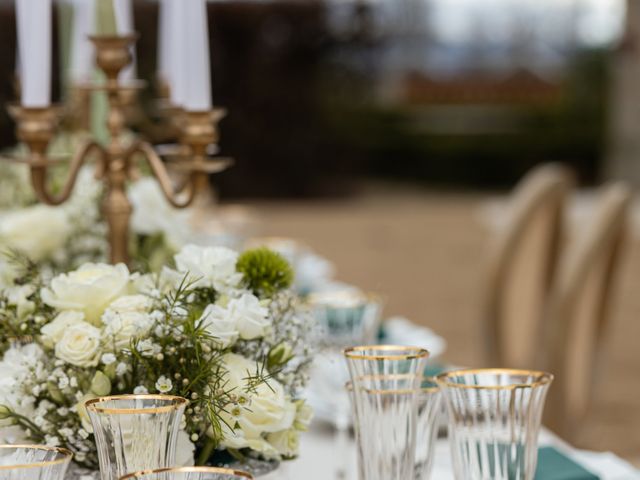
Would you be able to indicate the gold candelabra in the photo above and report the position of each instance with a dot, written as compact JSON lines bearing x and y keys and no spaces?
{"x":115,"y":162}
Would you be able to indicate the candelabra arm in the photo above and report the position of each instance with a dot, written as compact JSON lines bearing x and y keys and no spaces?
{"x":39,"y":174}
{"x":180,"y":197}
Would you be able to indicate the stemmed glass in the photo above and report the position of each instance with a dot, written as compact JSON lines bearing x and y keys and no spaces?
{"x":494,"y":421}
{"x":189,"y":473}
{"x":345,"y":317}
{"x":135,"y":432}
{"x":33,"y":462}
{"x":386,"y":382}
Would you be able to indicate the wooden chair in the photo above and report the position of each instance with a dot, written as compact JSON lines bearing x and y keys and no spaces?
{"x":522,"y":262}
{"x":578,"y":310}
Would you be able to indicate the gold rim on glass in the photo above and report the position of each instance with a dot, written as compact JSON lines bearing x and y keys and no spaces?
{"x":349,"y":385}
{"x":177,"y":403}
{"x":413,"y":352}
{"x":67,"y":455}
{"x":542,"y":378}
{"x":333,"y":299}
{"x":226,"y":471}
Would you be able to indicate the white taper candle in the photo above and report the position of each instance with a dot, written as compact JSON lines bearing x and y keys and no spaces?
{"x":34,"y":43}
{"x":123,"y":10}
{"x":164,"y":40}
{"x":82,"y":51}
{"x":198,"y":73}
{"x":178,"y":58}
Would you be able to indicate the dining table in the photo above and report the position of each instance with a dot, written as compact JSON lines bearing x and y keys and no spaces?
{"x":318,"y":457}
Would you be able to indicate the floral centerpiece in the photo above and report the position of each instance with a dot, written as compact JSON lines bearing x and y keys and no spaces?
{"x":64,"y":237}
{"x":221,"y":329}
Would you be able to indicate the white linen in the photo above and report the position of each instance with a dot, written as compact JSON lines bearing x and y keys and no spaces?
{"x":318,"y":458}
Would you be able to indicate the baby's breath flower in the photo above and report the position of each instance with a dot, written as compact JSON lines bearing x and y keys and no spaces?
{"x":108,"y":358}
{"x":140,"y":390}
{"x":121,"y":369}
{"x":164,"y":384}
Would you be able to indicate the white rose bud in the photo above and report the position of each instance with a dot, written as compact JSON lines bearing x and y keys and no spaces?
{"x":285,"y":442}
{"x":79,"y":345}
{"x":100,"y":384}
{"x":304,"y":415}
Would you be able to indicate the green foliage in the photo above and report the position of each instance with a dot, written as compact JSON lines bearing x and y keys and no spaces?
{"x":265,"y":271}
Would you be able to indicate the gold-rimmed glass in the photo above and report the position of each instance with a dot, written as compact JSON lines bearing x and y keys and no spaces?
{"x":385,"y":381}
{"x":345,"y":317}
{"x":33,"y":462}
{"x":428,"y":408}
{"x":135,"y":432}
{"x":189,"y":473}
{"x":494,"y":421}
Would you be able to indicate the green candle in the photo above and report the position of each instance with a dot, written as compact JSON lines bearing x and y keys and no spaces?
{"x":105,"y":18}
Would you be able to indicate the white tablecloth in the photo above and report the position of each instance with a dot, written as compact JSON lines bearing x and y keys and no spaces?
{"x":318,"y":458}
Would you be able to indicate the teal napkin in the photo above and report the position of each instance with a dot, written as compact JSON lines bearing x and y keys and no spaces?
{"x":554,"y":465}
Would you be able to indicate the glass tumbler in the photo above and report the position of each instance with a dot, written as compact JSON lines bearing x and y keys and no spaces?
{"x":494,"y":421}
{"x":33,"y":462}
{"x":385,"y":382}
{"x":427,"y":421}
{"x":189,"y":473}
{"x":135,"y":432}
{"x":345,"y":317}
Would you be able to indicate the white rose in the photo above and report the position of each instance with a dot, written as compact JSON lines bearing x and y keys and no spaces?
{"x":79,"y":345}
{"x":237,"y":439}
{"x":250,"y":315}
{"x":126,"y":319}
{"x":286,"y":442}
{"x":131,"y":303}
{"x":90,"y":289}
{"x":38,"y":231}
{"x":185,"y":450}
{"x":268,"y":409}
{"x":213,"y":267}
{"x":122,"y":327}
{"x":152,"y":213}
{"x":221,"y":324}
{"x":54,"y":331}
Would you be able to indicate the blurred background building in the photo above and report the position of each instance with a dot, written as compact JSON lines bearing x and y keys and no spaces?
{"x":451,"y":92}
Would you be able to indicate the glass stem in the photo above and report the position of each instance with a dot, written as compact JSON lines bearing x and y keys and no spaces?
{"x":342,"y":444}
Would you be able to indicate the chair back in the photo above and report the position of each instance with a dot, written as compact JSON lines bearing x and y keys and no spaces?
{"x":579,"y":307}
{"x":522,"y":262}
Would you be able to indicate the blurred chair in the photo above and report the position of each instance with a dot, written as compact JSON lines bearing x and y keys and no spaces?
{"x":521,"y":265}
{"x":578,"y":310}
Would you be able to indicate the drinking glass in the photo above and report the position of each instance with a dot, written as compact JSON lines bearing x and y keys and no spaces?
{"x":427,"y":422}
{"x":345,"y":317}
{"x":135,"y":432}
{"x":494,"y":421}
{"x":33,"y":462}
{"x":189,"y":473}
{"x":385,"y":383}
